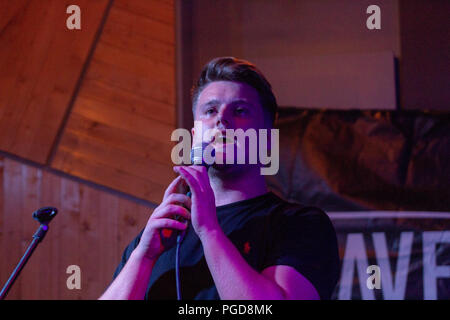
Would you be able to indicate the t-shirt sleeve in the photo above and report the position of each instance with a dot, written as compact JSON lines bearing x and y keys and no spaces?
{"x":305,"y":239}
{"x":126,"y":254}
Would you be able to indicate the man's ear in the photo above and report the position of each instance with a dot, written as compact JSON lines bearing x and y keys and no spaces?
{"x":197,"y":132}
{"x":193,"y":135}
{"x":194,"y":141}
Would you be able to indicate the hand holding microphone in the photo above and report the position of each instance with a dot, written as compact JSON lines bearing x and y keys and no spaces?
{"x":176,"y":210}
{"x":203,"y":208}
{"x":161,"y":224}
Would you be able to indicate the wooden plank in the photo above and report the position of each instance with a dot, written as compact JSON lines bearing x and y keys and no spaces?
{"x":133,"y":24}
{"x":66,"y":235}
{"x":120,"y":36}
{"x":129,"y":101}
{"x":12,"y":231}
{"x":127,"y":71}
{"x":123,"y":139}
{"x":119,"y":118}
{"x":132,"y":219}
{"x":2,"y":210}
{"x":118,"y":133}
{"x":4,"y":265}
{"x":47,"y":280}
{"x":31,"y":193}
{"x":91,"y":230}
{"x":134,"y":64}
{"x":19,"y":72}
{"x":124,"y":161}
{"x":87,"y":169}
{"x":109,"y":241}
{"x":9,"y":11}
{"x":147,"y":166}
{"x":35,"y":48}
{"x":159,"y":10}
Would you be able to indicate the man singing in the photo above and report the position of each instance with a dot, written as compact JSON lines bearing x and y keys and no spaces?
{"x":241,"y":241}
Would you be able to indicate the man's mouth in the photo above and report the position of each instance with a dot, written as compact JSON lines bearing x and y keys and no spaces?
{"x":222,"y":140}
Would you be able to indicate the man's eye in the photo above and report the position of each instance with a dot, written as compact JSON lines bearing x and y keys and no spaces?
{"x":210,"y":111}
{"x":240,"y":111}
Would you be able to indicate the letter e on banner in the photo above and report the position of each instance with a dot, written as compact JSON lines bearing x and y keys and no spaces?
{"x":74,"y":280}
{"x":74,"y":20}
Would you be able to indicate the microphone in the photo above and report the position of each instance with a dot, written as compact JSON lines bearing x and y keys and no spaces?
{"x":198,"y":159}
{"x":198,"y":155}
{"x":45,"y":215}
{"x":172,"y":238}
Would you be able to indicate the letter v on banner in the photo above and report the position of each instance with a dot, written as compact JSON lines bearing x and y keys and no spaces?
{"x":393,"y":290}
{"x":355,"y":253}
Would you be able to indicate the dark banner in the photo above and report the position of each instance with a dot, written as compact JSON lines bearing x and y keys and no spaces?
{"x":384,"y":179}
{"x":393,"y":255}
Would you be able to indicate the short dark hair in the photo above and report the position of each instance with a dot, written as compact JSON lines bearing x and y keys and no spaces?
{"x":238,"y":70}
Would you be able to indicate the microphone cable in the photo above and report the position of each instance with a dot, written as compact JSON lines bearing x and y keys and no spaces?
{"x":180,"y":238}
{"x":177,"y":267}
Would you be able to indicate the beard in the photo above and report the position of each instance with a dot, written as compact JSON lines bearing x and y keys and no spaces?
{"x":233,"y":169}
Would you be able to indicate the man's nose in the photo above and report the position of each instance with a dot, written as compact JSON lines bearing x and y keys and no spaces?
{"x":223,"y":118}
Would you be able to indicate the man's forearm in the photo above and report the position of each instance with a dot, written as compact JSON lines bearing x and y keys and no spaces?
{"x":235,"y":279}
{"x":132,"y":281}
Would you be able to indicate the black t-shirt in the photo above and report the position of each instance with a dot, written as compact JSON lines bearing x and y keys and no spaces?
{"x":267,"y":231}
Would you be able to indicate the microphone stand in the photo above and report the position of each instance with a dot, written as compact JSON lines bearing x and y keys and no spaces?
{"x":37,"y":238}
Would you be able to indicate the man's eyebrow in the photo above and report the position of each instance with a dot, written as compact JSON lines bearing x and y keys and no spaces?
{"x":214,"y":102}
{"x":210,"y":103}
{"x":238,"y":101}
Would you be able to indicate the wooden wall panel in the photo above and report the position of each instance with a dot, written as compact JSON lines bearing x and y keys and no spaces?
{"x":40,"y":64}
{"x":159,"y":10}
{"x":91,"y":230}
{"x":118,"y":133}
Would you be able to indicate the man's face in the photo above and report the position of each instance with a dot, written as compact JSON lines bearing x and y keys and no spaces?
{"x":225,"y":105}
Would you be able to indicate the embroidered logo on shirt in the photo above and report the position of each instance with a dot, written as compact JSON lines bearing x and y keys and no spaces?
{"x":247,"y":247}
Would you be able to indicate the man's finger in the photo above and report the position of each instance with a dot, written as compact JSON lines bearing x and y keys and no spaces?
{"x":170,"y":224}
{"x":200,"y":169}
{"x":171,"y":210}
{"x":173,"y":186}
{"x":200,"y":174}
{"x":190,"y":180}
{"x":178,"y":198}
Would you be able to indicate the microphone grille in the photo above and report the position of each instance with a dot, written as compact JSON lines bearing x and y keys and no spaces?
{"x":197,"y":154}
